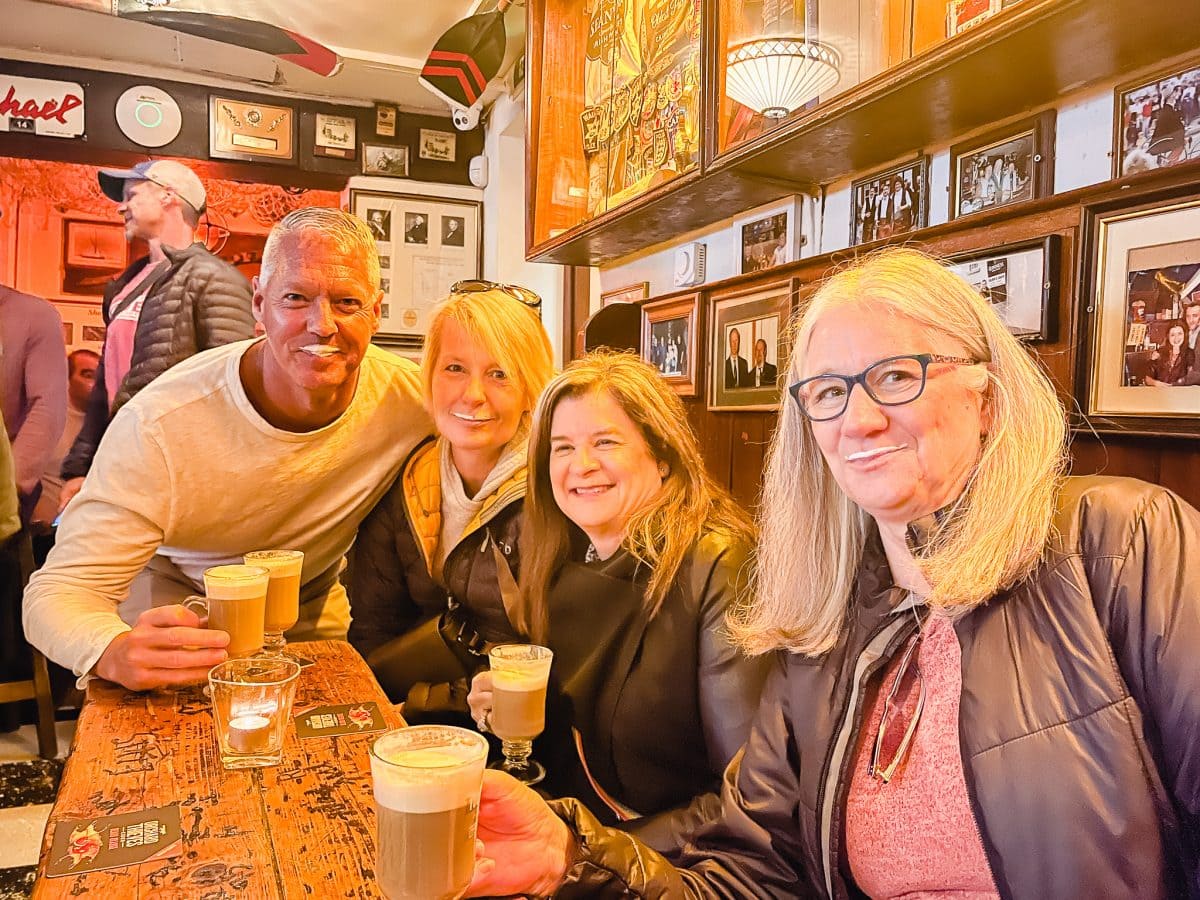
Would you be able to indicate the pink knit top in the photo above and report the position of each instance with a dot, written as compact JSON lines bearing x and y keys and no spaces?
{"x":916,"y":836}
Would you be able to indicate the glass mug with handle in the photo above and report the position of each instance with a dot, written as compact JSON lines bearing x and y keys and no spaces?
{"x":235,"y":602}
{"x":426,"y":782}
{"x":520,"y":673}
{"x":283,"y":594}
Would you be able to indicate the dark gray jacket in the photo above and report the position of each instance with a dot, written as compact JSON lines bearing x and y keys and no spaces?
{"x":196,"y":303}
{"x":1079,"y":723}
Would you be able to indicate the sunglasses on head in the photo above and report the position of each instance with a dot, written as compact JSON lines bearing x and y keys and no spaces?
{"x":479,"y":286}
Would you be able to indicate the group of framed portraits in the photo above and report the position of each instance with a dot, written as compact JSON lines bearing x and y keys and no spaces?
{"x":737,"y":367}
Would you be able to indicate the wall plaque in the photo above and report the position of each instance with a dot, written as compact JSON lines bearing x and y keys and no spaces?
{"x":250,"y":131}
{"x":40,"y":106}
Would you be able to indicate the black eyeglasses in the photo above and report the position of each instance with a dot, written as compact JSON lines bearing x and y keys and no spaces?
{"x":890,"y":382}
{"x":895,"y":734}
{"x":479,"y":286}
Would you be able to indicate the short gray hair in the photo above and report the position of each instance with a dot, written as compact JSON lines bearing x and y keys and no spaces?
{"x":349,"y":233}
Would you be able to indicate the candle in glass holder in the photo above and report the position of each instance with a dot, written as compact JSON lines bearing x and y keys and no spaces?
{"x":250,"y":734}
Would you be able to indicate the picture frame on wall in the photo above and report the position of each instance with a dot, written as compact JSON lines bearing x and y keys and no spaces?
{"x":1020,"y":281}
{"x":1137,"y":373}
{"x":1156,"y":120}
{"x":890,"y":203}
{"x":964,"y":14}
{"x":747,"y":353}
{"x":439,"y":146}
{"x":335,"y":136}
{"x":429,"y":243}
{"x":769,"y":237}
{"x":1006,"y":166}
{"x":251,"y":131}
{"x":669,"y":336}
{"x":633,"y":293}
{"x":390,"y":160}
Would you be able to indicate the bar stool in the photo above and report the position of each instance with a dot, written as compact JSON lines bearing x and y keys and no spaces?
{"x":16,"y":565}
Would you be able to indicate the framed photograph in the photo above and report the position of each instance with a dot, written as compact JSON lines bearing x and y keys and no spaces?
{"x":385,"y":159}
{"x":335,"y":136}
{"x":94,"y":245}
{"x":1020,"y":281}
{"x":964,"y":14}
{"x":437,"y":145}
{"x":633,"y":293}
{"x":1157,"y":121}
{"x":83,"y":324}
{"x":1140,"y":313}
{"x":431,"y":243}
{"x":889,"y":203}
{"x":746,"y":351}
{"x":251,"y":131}
{"x":1004,"y":167}
{"x":669,"y":333}
{"x":769,"y":237}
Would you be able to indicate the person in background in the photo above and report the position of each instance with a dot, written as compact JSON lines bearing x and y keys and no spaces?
{"x":984,"y":680}
{"x":174,"y":302}
{"x":33,"y":388}
{"x":737,"y":373}
{"x":1171,"y":363}
{"x":286,"y":441}
{"x":81,"y":378}
{"x":434,"y":566}
{"x":631,"y":558}
{"x":764,"y":374}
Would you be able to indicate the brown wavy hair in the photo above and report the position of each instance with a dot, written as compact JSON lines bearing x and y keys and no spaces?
{"x":690,"y":503}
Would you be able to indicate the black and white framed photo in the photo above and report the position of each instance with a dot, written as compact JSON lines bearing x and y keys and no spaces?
{"x":770,"y":237}
{"x":889,"y":203}
{"x":335,"y":136}
{"x":1140,"y":313}
{"x":379,"y":220}
{"x":1158,"y":121}
{"x":1007,"y":166}
{"x":421,"y":263}
{"x":438,"y":146}
{"x":1020,"y":281}
{"x":385,"y":159}
{"x":747,"y":354}
{"x":669,"y":331}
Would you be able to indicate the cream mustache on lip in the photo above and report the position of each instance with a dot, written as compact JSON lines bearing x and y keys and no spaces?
{"x":871,"y":454}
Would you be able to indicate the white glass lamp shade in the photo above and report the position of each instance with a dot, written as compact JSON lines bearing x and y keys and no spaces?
{"x":777,"y":75}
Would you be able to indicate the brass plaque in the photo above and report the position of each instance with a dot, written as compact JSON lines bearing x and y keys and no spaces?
{"x":238,"y":129}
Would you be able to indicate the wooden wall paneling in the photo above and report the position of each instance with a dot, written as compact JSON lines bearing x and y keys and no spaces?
{"x":748,"y":449}
{"x":1179,"y":470}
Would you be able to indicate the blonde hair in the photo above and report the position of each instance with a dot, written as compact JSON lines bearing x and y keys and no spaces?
{"x":660,"y":535}
{"x":504,"y":326}
{"x":994,"y":533}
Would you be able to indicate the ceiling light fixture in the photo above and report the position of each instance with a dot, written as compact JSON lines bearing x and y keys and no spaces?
{"x":777,"y":75}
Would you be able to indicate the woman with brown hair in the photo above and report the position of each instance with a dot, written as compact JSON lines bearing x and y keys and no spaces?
{"x":632,"y":555}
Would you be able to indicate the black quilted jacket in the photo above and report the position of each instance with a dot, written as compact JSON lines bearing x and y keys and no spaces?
{"x":199,"y":302}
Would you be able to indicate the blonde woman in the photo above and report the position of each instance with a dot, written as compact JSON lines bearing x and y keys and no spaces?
{"x":632,"y":556}
{"x":435,"y":562}
{"x":986,"y":681}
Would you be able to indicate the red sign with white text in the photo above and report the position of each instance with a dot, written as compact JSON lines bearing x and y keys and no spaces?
{"x":40,"y":106}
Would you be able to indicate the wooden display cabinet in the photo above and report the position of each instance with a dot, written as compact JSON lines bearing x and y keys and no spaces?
{"x":910,"y":87}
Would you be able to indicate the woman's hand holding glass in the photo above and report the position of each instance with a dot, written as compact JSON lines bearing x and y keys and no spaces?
{"x":480,"y":699}
{"x":517,"y":828}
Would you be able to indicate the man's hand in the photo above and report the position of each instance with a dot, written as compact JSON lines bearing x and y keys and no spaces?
{"x":69,"y":489}
{"x":527,"y":849}
{"x":167,"y":647}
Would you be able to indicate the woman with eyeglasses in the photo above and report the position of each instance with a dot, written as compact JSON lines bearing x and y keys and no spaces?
{"x":433,"y":569}
{"x":632,"y":555}
{"x":985,"y":678}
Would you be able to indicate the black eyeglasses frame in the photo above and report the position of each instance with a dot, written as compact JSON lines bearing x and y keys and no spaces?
{"x":861,"y":379}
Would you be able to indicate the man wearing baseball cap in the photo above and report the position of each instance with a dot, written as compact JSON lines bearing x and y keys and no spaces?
{"x":172,"y":303}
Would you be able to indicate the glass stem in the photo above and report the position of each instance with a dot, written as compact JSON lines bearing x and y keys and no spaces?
{"x":517,"y":753}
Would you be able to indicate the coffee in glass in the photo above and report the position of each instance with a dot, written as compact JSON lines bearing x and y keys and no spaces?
{"x":235,"y":602}
{"x":283,"y":593}
{"x":519,"y":676}
{"x":427,"y":780}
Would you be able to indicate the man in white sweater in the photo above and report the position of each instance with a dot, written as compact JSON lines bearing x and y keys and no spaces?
{"x":286,"y":441}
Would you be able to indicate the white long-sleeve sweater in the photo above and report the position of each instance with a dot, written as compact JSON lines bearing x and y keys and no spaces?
{"x":190,"y":471}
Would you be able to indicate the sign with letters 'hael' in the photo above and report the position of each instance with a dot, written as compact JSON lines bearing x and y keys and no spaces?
{"x":40,"y":106}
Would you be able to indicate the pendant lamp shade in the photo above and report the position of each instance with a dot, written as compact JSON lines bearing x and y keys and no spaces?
{"x":777,"y":75}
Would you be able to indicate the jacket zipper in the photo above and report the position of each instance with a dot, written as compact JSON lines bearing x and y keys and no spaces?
{"x":867,"y":657}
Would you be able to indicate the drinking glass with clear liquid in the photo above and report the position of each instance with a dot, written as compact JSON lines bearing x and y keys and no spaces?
{"x":520,"y":673}
{"x":426,"y":783}
{"x":283,"y":594}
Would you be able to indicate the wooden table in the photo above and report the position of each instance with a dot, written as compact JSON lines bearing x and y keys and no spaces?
{"x":305,"y":828}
